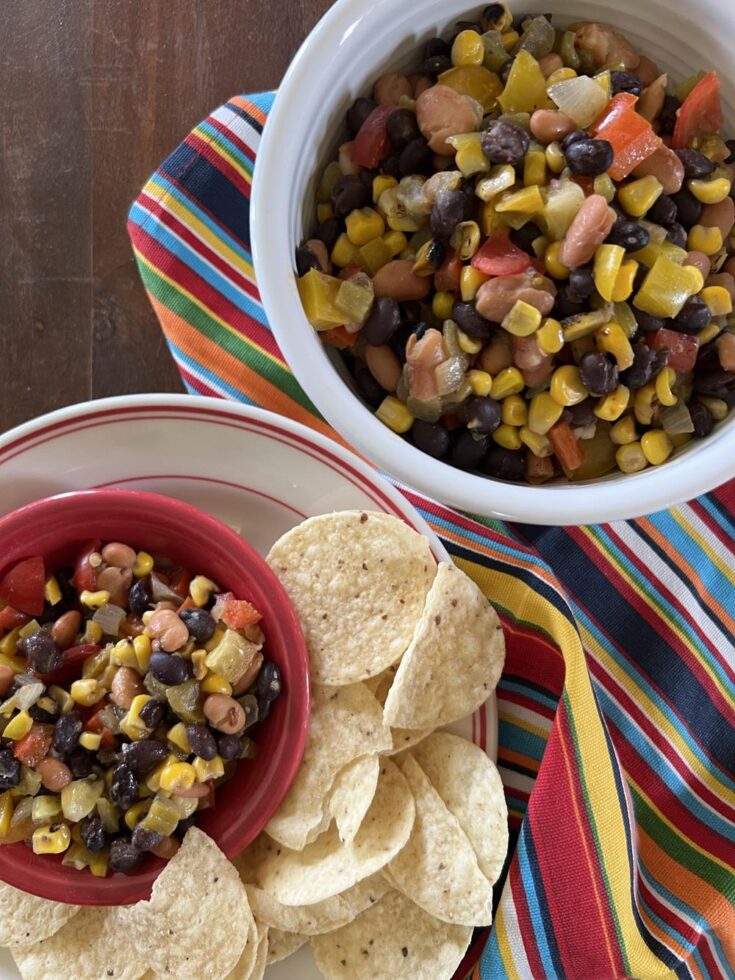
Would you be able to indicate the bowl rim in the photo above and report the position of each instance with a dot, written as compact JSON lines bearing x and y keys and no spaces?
{"x":705,"y":466}
{"x":17,"y":866}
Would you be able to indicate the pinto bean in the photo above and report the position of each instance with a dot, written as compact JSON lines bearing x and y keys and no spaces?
{"x":700,"y":261}
{"x":550,"y":63}
{"x":496,"y":297}
{"x":647,"y":71}
{"x":665,"y":166}
{"x":548,"y":125}
{"x":729,"y":266}
{"x":65,"y":629}
{"x":346,"y":163}
{"x":224,"y":713}
{"x":7,"y":676}
{"x":397,"y":280}
{"x":55,"y":775}
{"x":497,"y":354}
{"x":419,"y":84}
{"x":389,"y":88}
{"x":118,"y":554}
{"x":170,"y":631}
{"x":423,"y":357}
{"x":384,"y":366}
{"x":126,"y":685}
{"x":590,"y":227}
{"x":726,"y":351}
{"x":117,"y":582}
{"x":720,"y":216}
{"x":606,"y":47}
{"x":442,"y":112}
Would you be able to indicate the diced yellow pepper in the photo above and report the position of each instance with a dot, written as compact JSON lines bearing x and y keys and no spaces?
{"x":382,"y":183}
{"x":51,"y":839}
{"x":90,"y":741}
{"x":344,"y":253}
{"x":208,"y":769}
{"x":163,"y":816}
{"x":631,"y":458}
{"x":624,"y":281}
{"x":718,"y":300}
{"x":135,"y":813}
{"x":363,"y":225}
{"x":666,"y":288}
{"x":393,"y":413}
{"x":543,"y":413}
{"x":656,"y":446}
{"x":624,"y":431}
{"x":612,"y":339}
{"x":510,"y":38}
{"x":509,"y":381}
{"x":640,"y":195}
{"x":710,"y":191}
{"x":470,"y":157}
{"x":581,"y":325}
{"x":525,"y":89}
{"x":553,"y":263}
{"x":470,"y":281}
{"x":534,"y":168}
{"x":318,"y":294}
{"x":549,"y":336}
{"x":514,"y":411}
{"x":6,"y":812}
{"x":612,"y":406}
{"x":51,"y":591}
{"x":373,"y":256}
{"x":522,"y":320}
{"x":396,"y":242}
{"x":490,"y":220}
{"x":538,"y":444}
{"x":507,"y":436}
{"x":9,"y":642}
{"x":707,"y":240}
{"x":231,"y":657}
{"x":46,"y":809}
{"x":474,"y":80}
{"x":566,"y":386}
{"x":529,"y":200}
{"x":606,"y":266}
{"x":216,"y":684}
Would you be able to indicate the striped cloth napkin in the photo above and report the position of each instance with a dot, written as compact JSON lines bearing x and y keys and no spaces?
{"x":617,"y":744}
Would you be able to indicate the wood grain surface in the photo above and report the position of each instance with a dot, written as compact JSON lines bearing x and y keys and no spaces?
{"x":95,"y":94}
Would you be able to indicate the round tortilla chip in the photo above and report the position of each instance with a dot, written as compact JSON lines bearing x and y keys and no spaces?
{"x":197,"y":922}
{"x":438,"y":869}
{"x":27,"y":919}
{"x":92,"y":945}
{"x":351,"y":795}
{"x":246,"y":964}
{"x":358,"y":581}
{"x":356,"y":715}
{"x":327,"y":867}
{"x":261,"y":957}
{"x":470,"y":785}
{"x":394,"y":939}
{"x":455,"y":658}
{"x":403,"y":738}
{"x":283,"y":944}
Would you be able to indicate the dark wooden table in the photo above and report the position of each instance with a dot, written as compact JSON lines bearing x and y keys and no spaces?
{"x":95,"y":94}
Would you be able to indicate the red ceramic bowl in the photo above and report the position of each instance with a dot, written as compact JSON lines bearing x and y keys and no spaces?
{"x":54,"y":528}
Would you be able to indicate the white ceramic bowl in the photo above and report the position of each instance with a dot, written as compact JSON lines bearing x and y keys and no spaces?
{"x":351,"y":46}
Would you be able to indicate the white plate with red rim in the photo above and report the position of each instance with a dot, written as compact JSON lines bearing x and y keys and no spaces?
{"x":260,"y":473}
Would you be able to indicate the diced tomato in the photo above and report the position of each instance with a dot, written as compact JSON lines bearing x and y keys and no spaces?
{"x":84,"y":574}
{"x":22,"y":587}
{"x":682,"y":348}
{"x":74,"y":657}
{"x":188,"y":603}
{"x":95,"y":725}
{"x":630,"y":135}
{"x":338,"y":337}
{"x":566,"y":446}
{"x":446,"y":277}
{"x":180,"y":581}
{"x":539,"y":468}
{"x":207,"y":802}
{"x":538,"y":265}
{"x":34,"y":746}
{"x":10,"y":618}
{"x":239,"y":613}
{"x":700,"y":113}
{"x":586,"y":183}
{"x":498,"y":256}
{"x":371,"y":145}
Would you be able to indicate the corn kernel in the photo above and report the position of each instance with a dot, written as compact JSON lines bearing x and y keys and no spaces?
{"x":178,"y":776}
{"x":514,"y":411}
{"x":509,"y":381}
{"x":470,"y":158}
{"x":468,"y":49}
{"x":709,"y":333}
{"x":612,"y":406}
{"x":363,"y":225}
{"x":393,"y":413}
{"x":345,"y":252}
{"x":507,"y":436}
{"x":664,"y":380}
{"x":490,"y":220}
{"x":153,"y":779}
{"x":717,"y":407}
{"x":18,"y":727}
{"x":480,"y":382}
{"x":539,"y":246}
{"x":216,"y":684}
{"x":92,"y":632}
{"x":624,"y":431}
{"x":470,"y":281}
{"x":94,"y":600}
{"x":87,"y":691}
{"x":555,"y":159}
{"x":51,"y":590}
{"x":543,"y":413}
{"x":534,"y":168}
{"x":470,"y":345}
{"x":9,"y":642}
{"x":501,"y":177}
{"x":142,"y":651}
{"x":696,"y":277}
{"x":177,"y":735}
{"x":554,"y":265}
{"x":198,"y":663}
{"x":143,"y":564}
{"x":549,"y":336}
{"x":396,"y":242}
{"x":523,"y":319}
{"x":530,"y":200}
{"x":631,"y":458}
{"x":560,"y":75}
{"x":707,"y":240}
{"x":90,"y":740}
{"x":135,"y":813}
{"x":382,"y":183}
{"x":442,"y":305}
{"x":624,"y":281}
{"x":604,"y":186}
{"x":123,"y":654}
{"x":510,"y":39}
{"x":373,"y":256}
{"x":710,"y":191}
{"x":208,"y":769}
{"x":566,"y":386}
{"x":200,"y":589}
{"x":643,"y":403}
{"x":606,"y":266}
{"x":51,"y":839}
{"x":640,"y":195}
{"x":656,"y":446}
{"x":611,"y":339}
{"x":718,"y":300}
{"x":538,"y":444}
{"x":324,"y":211}
{"x":131,"y":724}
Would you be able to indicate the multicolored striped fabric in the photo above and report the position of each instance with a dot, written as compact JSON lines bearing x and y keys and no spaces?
{"x":617,"y":705}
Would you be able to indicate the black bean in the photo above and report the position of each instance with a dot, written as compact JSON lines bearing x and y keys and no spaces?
{"x":696,"y":164}
{"x":504,"y":142}
{"x":435,"y":46}
{"x":251,"y":707}
{"x":268,"y":686}
{"x":151,"y":714}
{"x":493,"y":15}
{"x":80,"y":762}
{"x":144,"y":839}
{"x":481,"y":414}
{"x":716,"y":384}
{"x":357,"y":114}
{"x":469,"y":450}
{"x":139,"y":597}
{"x":41,"y":652}
{"x":646,"y":365}
{"x":662,"y":211}
{"x":578,"y":134}
{"x":327,"y":232}
{"x":305,"y":260}
{"x":144,"y":755}
{"x":447,"y":211}
{"x":702,"y":419}
{"x":41,"y":716}
{"x":367,"y":176}
{"x":693,"y":317}
{"x":124,"y":856}
{"x":401,"y":127}
{"x":67,"y":730}
{"x":93,"y":834}
{"x":184,"y":825}
{"x":168,"y":668}
{"x":435,"y":253}
{"x":625,"y":81}
{"x":470,"y":321}
{"x":390,"y":166}
{"x":667,"y":116}
{"x":415,"y":157}
{"x":646,"y":322}
{"x":123,"y":787}
{"x":466,"y":25}
{"x":504,"y":464}
{"x":202,"y":741}
{"x":588,"y":157}
{"x":688,"y":208}
{"x":525,"y":237}
{"x":199,"y":623}
{"x":582,"y":414}
{"x":598,"y":373}
{"x":628,"y":234}
{"x":383,"y":321}
{"x":9,"y":770}
{"x":369,"y":387}
{"x":431,"y":439}
{"x":229,"y":746}
{"x":730,"y":144}
{"x":581,"y":282}
{"x":435,"y":65}
{"x":349,"y":193}
{"x":567,"y":303}
{"x":676,"y":234}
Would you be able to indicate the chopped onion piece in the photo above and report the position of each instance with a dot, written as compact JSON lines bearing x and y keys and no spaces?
{"x":108,"y":618}
{"x":677,"y":419}
{"x":24,"y":698}
{"x":162,"y":592}
{"x":449,"y":375}
{"x":581,"y":98}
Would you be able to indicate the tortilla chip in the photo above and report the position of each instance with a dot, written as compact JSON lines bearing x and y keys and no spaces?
{"x":438,"y":869}
{"x":246,"y":964}
{"x":394,"y":939}
{"x":94,"y":944}
{"x":26,"y":919}
{"x":352,"y":793}
{"x":328,"y":867}
{"x":470,"y":785}
{"x":358,"y":581}
{"x":198,"y":920}
{"x":261,"y":957}
{"x":403,"y":738}
{"x":346,"y":722}
{"x":455,"y":658}
{"x":283,"y":944}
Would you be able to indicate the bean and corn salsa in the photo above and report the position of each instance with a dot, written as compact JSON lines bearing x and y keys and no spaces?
{"x":114,"y":759}
{"x":524,"y":252}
